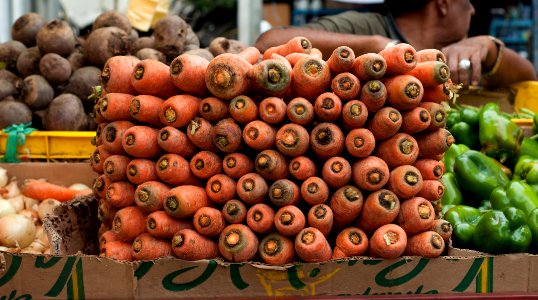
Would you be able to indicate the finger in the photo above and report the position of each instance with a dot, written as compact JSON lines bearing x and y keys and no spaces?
{"x":476,"y":68}
{"x":452,"y":62}
{"x":463,"y":74}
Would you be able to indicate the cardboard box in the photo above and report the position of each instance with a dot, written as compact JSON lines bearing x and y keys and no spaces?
{"x":479,"y":97}
{"x":88,"y":276}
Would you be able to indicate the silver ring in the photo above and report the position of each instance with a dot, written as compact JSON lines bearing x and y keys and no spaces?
{"x":464,"y":64}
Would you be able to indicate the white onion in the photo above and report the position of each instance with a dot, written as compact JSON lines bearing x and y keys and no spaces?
{"x":12,"y":189}
{"x":47,"y":251}
{"x":41,"y":236}
{"x":47,"y":207}
{"x":79,"y":187}
{"x":16,"y":231}
{"x":6,"y":208}
{"x":37,"y":246}
{"x":30,"y":203}
{"x":29,"y":250}
{"x":17,"y":202}
{"x":32,"y":214}
{"x":3,"y":177}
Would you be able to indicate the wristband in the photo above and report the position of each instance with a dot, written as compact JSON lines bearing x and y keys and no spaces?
{"x":498,"y":59}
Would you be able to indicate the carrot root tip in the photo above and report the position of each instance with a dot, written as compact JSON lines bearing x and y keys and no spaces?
{"x":437,"y":241}
{"x":271,"y":247}
{"x":170,"y":115}
{"x":204,"y":221}
{"x":412,"y":90}
{"x":355,"y":238}
{"x":232,"y":239}
{"x":139,"y":72}
{"x":178,"y":240}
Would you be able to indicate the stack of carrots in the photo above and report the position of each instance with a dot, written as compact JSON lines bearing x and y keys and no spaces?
{"x":279,"y":156}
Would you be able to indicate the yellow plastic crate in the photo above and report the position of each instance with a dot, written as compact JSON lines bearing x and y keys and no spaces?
{"x":52,"y":145}
{"x":526,"y":95}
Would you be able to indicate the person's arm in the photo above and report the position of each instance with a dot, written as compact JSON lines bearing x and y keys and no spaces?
{"x":323,"y":40}
{"x":513,"y":68}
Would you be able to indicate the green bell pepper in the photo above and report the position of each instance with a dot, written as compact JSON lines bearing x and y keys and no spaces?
{"x":532,"y":221}
{"x":529,"y":147}
{"x":465,"y":134}
{"x":464,"y":220}
{"x":517,"y":194}
{"x":478,"y":175}
{"x":450,"y":156}
{"x":535,"y":123}
{"x":499,"y":136}
{"x":470,"y":115}
{"x":485,"y":205}
{"x":523,"y":165}
{"x":503,"y":231}
{"x":452,"y":194}
{"x":453,"y":117}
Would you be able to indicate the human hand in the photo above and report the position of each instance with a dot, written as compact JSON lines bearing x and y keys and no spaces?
{"x":465,"y":59}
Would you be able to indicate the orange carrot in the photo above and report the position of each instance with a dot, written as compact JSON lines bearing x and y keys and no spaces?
{"x":415,"y":120}
{"x":284,"y":192}
{"x":315,"y":52}
{"x":283,"y":60}
{"x":350,"y":242}
{"x":388,"y":241}
{"x":250,"y":54}
{"x":98,"y":158}
{"x":430,"y":55}
{"x":120,"y":194}
{"x":430,"y":168}
{"x":226,"y":76}
{"x":346,"y":204}
{"x":220,"y":188}
{"x":354,"y":114}
{"x":237,"y":243}
{"x":113,"y":136}
{"x":373,"y":95}
{"x":106,"y":212}
{"x":370,"y":173}
{"x":41,"y":190}
{"x":314,"y":190}
{"x":177,"y":111}
{"x":260,"y":218}
{"x":115,"y":167}
{"x":152,"y":77}
{"x":252,"y":188}
{"x":341,"y":59}
{"x":146,"y":109}
{"x":174,"y":169}
{"x":405,"y":181}
{"x":243,"y":109}
{"x":129,"y":223}
{"x":336,"y":171}
{"x":380,"y":207}
{"x":272,"y":110}
{"x":297,"y":44}
{"x":184,"y":200}
{"x":328,"y":107}
{"x":188,"y":73}
{"x":311,"y":77}
{"x":428,"y":244}
{"x":99,"y":135}
{"x":292,"y":140}
{"x":107,"y":237}
{"x":321,"y":217}
{"x":360,"y":142}
{"x":385,"y":123}
{"x":295,"y":57}
{"x":369,"y":66}
{"x":404,"y":92}
{"x":431,"y":73}
{"x":259,"y":135}
{"x":141,"y":142}
{"x":227,"y":135}
{"x":271,"y":77}
{"x":438,"y":93}
{"x":159,"y":224}
{"x":302,"y":167}
{"x":400,"y":58}
{"x":438,"y":114}
{"x":172,"y":140}
{"x":205,"y":164}
{"x":432,"y":190}
{"x":300,"y":111}
{"x":115,"y":106}
{"x":434,"y":142}
{"x":213,"y":109}
{"x":116,"y":75}
{"x":312,"y":246}
{"x":208,"y":221}
{"x":236,"y":165}
{"x":140,"y":170}
{"x":148,"y":247}
{"x":188,"y":244}
{"x":327,"y":140}
{"x":99,"y":186}
{"x":416,"y":215}
{"x":271,"y":165}
{"x":117,"y":250}
{"x":199,"y":133}
{"x":150,"y":195}
{"x":346,"y":86}
{"x":276,"y":249}
{"x":289,"y":220}
{"x":400,"y":149}
{"x":443,"y":228}
{"x":234,"y":211}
